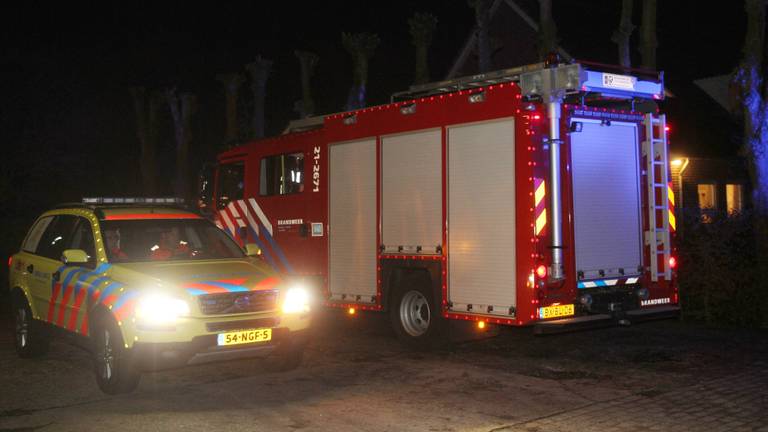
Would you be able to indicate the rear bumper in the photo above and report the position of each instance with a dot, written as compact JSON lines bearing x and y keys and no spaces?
{"x":604,"y":320}
{"x":204,"y":349}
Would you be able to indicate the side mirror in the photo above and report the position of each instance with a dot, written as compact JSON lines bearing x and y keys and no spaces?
{"x":252,"y":249}
{"x":74,"y":256}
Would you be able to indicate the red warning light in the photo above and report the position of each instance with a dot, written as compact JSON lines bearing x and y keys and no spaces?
{"x":672,"y":263}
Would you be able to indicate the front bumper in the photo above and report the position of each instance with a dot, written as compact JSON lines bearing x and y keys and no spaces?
{"x":204,"y":349}
{"x":605,"y":320}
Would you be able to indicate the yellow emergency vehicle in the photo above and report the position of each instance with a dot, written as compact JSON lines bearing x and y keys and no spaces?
{"x":151,"y":286}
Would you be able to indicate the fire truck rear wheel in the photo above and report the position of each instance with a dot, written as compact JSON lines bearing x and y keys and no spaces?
{"x":415,"y":316}
{"x":115,"y":372}
{"x":30,"y":335}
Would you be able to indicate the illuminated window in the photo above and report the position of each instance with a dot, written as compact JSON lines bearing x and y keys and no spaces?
{"x":734,"y":198}
{"x":707,"y":201}
{"x":282,"y":174}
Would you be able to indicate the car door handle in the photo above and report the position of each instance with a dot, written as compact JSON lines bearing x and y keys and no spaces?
{"x":56,"y":276}
{"x":30,"y":268}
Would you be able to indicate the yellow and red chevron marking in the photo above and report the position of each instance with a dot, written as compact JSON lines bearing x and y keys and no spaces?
{"x":671,"y":195}
{"x":540,"y":206}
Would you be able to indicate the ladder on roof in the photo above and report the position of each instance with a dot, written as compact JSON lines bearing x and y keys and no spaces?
{"x":657,"y":237}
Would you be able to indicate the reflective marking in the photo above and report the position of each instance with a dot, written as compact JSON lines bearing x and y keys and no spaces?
{"x":261,"y":215}
{"x":248,"y":216}
{"x":235,"y":215}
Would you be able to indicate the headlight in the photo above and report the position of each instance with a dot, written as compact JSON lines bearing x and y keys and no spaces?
{"x":296,"y":300}
{"x":160,"y":310}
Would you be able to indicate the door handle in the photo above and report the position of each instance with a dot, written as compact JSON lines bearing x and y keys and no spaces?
{"x":56,"y":276}
{"x":30,"y":268}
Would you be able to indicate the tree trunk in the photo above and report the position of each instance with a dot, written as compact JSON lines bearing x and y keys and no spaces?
{"x":361,"y":47}
{"x":648,"y":32}
{"x":422,"y":27}
{"x":307,"y":61}
{"x":231,"y":82}
{"x":750,"y":78}
{"x":622,"y":34}
{"x":259,"y":71}
{"x":145,"y":107}
{"x":483,"y":19}
{"x":547,"y":30}
{"x":182,"y":108}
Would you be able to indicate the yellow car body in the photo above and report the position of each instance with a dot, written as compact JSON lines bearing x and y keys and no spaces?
{"x":169,"y":312}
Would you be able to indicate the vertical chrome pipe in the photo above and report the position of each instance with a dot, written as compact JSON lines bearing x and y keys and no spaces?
{"x":553,"y":111}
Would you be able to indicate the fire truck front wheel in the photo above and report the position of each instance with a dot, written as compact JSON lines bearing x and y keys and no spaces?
{"x":415,"y":316}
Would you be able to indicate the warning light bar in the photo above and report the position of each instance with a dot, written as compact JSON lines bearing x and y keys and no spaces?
{"x":132,"y":200}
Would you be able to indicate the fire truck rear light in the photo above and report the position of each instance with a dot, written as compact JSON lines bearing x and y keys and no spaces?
{"x":351,"y":311}
{"x":481,"y":325}
{"x":541,"y":271}
{"x":672,"y":263}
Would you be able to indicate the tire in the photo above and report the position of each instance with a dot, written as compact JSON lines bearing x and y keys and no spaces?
{"x":30,"y":335}
{"x":115,"y":372}
{"x":415,"y":316}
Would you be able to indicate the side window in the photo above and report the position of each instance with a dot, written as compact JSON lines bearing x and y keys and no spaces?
{"x":282,"y":174}
{"x":57,"y":237}
{"x":35,"y":234}
{"x":231,"y":184}
{"x":82,"y":238}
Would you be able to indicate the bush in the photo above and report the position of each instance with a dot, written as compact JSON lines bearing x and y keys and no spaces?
{"x":722,"y":270}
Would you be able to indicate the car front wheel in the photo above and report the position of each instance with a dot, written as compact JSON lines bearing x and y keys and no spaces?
{"x":115,"y":372}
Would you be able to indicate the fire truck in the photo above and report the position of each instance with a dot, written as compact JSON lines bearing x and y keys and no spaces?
{"x":532,"y":196}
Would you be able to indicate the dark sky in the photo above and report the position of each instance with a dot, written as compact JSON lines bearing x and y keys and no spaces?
{"x":66,"y":116}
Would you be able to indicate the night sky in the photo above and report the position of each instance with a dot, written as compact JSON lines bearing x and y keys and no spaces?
{"x":67,"y":119}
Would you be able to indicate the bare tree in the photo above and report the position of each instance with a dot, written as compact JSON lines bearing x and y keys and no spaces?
{"x":422,"y":26}
{"x":547,"y":30}
{"x":259,"y":71}
{"x":231,"y":82}
{"x":182,"y":106}
{"x":648,"y":42}
{"x":361,"y":47}
{"x":307,"y":61}
{"x":145,"y":105}
{"x":483,"y":20}
{"x":622,"y":34}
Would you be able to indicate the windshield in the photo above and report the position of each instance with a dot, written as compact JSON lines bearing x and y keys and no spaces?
{"x":166,"y":240}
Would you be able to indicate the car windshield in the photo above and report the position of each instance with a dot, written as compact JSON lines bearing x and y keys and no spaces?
{"x":165,"y":240}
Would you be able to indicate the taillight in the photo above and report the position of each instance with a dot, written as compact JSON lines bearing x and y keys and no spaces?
{"x":10,"y":261}
{"x":541,"y":271}
{"x":672,"y":263}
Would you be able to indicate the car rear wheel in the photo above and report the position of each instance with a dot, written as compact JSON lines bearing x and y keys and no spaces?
{"x":115,"y":372}
{"x":30,"y":335}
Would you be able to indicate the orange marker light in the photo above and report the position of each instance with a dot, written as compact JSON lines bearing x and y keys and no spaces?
{"x":481,"y":325}
{"x":352,"y":311}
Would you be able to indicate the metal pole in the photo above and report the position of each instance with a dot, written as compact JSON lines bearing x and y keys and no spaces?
{"x":553,"y":111}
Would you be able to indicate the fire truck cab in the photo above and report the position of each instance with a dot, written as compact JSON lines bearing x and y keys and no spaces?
{"x":537,"y":195}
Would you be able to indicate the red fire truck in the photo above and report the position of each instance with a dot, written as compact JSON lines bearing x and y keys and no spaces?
{"x":536,"y":195}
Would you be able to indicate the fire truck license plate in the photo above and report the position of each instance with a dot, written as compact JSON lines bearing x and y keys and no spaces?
{"x":556,"y":311}
{"x":245,"y":336}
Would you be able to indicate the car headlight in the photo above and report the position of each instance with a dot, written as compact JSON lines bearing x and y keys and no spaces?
{"x":160,"y":310}
{"x":297,"y":300}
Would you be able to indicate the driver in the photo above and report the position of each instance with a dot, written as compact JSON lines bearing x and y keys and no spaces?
{"x":112,"y":239}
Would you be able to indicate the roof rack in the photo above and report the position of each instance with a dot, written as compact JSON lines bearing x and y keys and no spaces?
{"x":133,"y":200}
{"x":540,"y":80}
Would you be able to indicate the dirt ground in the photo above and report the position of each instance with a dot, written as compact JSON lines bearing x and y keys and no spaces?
{"x":664,"y":375}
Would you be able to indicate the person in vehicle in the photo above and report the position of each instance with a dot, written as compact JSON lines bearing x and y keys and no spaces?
{"x":170,"y":246}
{"x":112,"y":239}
